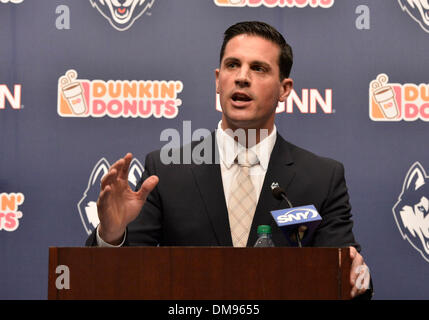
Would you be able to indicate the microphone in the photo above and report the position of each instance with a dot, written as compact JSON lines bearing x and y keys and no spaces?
{"x":291,"y":220}
{"x":280,"y":194}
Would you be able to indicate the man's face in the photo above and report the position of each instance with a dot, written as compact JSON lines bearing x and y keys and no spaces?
{"x":248,"y":83}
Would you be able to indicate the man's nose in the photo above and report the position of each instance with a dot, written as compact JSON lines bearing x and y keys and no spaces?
{"x":242,"y":78}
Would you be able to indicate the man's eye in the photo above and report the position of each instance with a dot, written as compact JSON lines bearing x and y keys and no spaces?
{"x":231,"y":65}
{"x":258,"y":68}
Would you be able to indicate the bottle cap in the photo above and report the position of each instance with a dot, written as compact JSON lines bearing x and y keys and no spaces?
{"x":264,"y":229}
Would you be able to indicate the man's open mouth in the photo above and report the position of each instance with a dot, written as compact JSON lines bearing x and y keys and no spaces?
{"x":240,"y":97}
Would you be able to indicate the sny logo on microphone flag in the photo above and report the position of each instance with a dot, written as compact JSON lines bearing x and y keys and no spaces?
{"x":290,"y":216}
{"x":288,"y":220}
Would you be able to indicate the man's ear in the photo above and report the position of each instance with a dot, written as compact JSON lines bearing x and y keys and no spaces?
{"x":217,"y":80}
{"x":286,"y":88}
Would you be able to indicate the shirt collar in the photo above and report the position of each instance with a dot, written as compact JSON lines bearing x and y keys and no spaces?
{"x":229,"y":148}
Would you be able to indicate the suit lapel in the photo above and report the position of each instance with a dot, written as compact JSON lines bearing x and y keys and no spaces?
{"x":280,"y":170}
{"x":209,"y":181}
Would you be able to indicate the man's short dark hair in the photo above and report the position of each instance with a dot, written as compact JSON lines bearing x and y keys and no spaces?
{"x":265,"y":31}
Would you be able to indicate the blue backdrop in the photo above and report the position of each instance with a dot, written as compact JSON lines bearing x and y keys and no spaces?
{"x":361,"y":96}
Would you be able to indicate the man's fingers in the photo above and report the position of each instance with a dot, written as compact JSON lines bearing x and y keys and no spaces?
{"x":148,"y":185}
{"x":357,"y":260}
{"x":353,"y":276}
{"x":123,"y":173}
{"x":102,"y":197}
{"x":118,"y":170}
{"x":363,"y":278}
{"x":118,"y":165}
{"x":109,"y":178}
{"x":353,"y":252}
{"x":359,"y":273}
{"x":301,"y":231}
{"x":362,"y":281}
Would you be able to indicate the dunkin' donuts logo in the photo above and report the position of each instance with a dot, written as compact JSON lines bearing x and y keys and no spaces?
{"x":120,"y":98}
{"x":9,"y":213}
{"x":122,"y":13}
{"x":275,"y":3}
{"x":396,"y":102}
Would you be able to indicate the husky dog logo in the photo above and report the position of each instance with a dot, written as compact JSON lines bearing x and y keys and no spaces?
{"x":87,"y":206}
{"x":122,"y":13}
{"x":418,"y":10}
{"x":12,"y":1}
{"x":411,"y":212}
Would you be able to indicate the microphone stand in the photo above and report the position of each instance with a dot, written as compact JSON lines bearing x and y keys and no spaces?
{"x":298,"y":238}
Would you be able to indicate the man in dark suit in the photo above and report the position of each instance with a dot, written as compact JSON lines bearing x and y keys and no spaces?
{"x":222,"y":202}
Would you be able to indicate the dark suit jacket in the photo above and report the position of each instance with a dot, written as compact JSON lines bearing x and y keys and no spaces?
{"x":188,"y":208}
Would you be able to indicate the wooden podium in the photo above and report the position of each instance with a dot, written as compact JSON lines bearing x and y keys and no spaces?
{"x":199,"y":273}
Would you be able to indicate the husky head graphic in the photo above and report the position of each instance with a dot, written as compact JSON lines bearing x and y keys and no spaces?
{"x":122,"y":13}
{"x":418,"y":10}
{"x":87,"y":206}
{"x":411,"y":212}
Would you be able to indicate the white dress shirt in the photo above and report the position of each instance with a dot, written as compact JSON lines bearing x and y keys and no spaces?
{"x":228,"y":151}
{"x":229,"y":148}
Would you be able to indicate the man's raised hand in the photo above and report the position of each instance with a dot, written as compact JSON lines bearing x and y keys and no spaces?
{"x":117,"y":203}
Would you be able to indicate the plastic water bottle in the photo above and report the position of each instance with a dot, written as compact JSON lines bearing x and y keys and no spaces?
{"x":264,"y":237}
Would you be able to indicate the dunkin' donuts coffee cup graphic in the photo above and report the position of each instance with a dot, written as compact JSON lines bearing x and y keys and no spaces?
{"x":395,"y":101}
{"x":230,"y":2}
{"x":73,"y":92}
{"x":385,"y":97}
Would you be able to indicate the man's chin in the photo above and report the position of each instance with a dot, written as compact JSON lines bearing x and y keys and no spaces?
{"x":236,"y":122}
{"x":239,"y":113}
{"x":245,"y":118}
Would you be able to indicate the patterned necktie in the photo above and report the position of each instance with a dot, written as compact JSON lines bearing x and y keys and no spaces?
{"x":242,"y":201}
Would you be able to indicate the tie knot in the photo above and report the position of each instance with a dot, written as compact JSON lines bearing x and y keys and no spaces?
{"x":247,"y":158}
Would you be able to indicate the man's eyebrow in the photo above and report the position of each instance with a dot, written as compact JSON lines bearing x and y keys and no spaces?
{"x":261,"y":63}
{"x":230,"y":59}
{"x":256,"y":62}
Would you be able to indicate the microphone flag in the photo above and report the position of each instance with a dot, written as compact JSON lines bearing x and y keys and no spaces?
{"x":289,"y":220}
